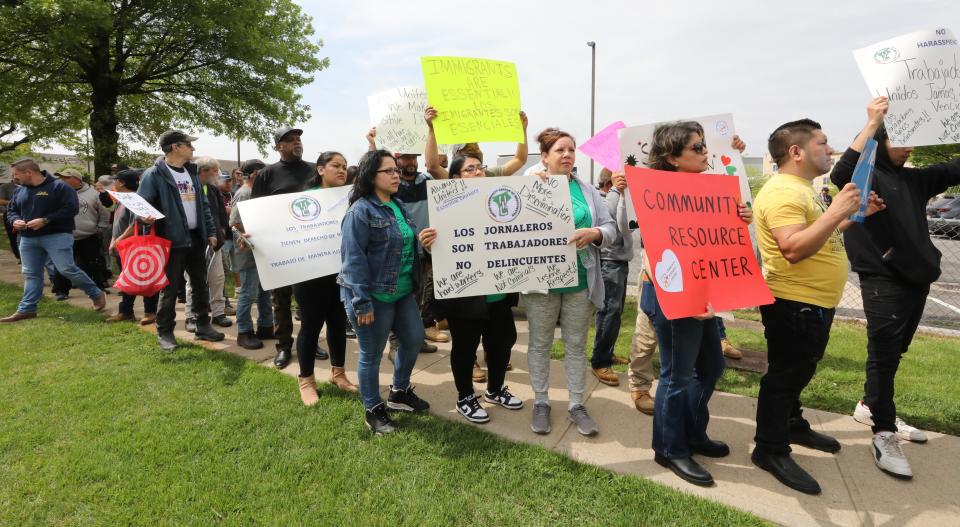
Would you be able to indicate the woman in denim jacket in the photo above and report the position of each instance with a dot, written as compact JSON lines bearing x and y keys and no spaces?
{"x":378,"y":278}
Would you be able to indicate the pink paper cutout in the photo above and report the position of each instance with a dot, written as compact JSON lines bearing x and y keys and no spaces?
{"x":604,"y":148}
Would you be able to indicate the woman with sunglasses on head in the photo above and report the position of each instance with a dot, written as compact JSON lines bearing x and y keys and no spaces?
{"x":474,"y":319}
{"x":572,"y":306}
{"x":691,"y":359}
{"x":378,"y":279}
{"x":319,"y":303}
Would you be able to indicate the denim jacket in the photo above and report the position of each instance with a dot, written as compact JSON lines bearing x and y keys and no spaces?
{"x":370,"y":252}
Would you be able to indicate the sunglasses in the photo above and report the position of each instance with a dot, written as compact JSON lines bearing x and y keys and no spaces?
{"x":700,"y":147}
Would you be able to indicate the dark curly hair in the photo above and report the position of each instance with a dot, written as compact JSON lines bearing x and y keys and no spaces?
{"x":365,"y":184}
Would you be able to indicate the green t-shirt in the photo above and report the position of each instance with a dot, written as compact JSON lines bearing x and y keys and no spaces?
{"x":581,"y":220}
{"x":405,"y":278}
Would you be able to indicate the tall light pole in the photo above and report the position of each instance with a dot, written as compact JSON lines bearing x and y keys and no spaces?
{"x":593,"y":93}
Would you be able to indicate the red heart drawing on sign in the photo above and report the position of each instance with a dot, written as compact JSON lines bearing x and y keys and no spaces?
{"x":725,"y":160}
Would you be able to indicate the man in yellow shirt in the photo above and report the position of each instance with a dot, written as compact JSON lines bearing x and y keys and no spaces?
{"x":805,"y":267}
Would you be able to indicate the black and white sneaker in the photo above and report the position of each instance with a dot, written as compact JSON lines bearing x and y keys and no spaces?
{"x":504,"y":398}
{"x":378,"y":421}
{"x":406,"y":401}
{"x":469,"y":407}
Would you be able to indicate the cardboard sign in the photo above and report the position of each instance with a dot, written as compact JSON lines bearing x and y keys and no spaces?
{"x":398,"y":116}
{"x":604,"y":148}
{"x":501,"y":235}
{"x":698,"y":247}
{"x":477,"y":100}
{"x":863,"y":178}
{"x":296,"y":237}
{"x":920,"y":74}
{"x":136,"y":204}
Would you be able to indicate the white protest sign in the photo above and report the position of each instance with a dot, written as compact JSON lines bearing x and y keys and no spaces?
{"x":920,"y":74}
{"x":295,"y":237}
{"x":136,"y":204}
{"x":398,"y":116}
{"x":718,"y":132}
{"x":501,"y":235}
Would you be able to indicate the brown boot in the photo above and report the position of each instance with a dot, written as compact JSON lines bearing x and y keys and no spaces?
{"x":478,"y":374}
{"x":148,"y":319}
{"x":338,"y":377}
{"x":729,"y":351}
{"x":120,"y":317}
{"x":100,"y":302}
{"x":606,"y":376}
{"x":308,"y":390}
{"x":642,"y":400}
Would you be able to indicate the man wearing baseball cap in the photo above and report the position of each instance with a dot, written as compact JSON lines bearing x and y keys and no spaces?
{"x":250,"y":291}
{"x":88,"y":222}
{"x":290,"y":174}
{"x":172,"y":187}
{"x":42,"y":213}
{"x":128,"y":180}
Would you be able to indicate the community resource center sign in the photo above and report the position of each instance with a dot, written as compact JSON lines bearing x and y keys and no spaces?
{"x":698,"y":247}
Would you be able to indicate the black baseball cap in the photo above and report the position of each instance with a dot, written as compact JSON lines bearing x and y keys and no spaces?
{"x":252,"y":165}
{"x":283,"y":132}
{"x":171,"y":137}
{"x":130,"y":178}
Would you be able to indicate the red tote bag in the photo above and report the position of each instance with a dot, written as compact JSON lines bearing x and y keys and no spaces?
{"x":144,"y":260}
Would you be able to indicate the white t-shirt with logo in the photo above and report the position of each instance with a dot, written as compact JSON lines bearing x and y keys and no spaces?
{"x":188,"y":194}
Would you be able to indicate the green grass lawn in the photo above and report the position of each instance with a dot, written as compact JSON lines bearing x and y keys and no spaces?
{"x":928,"y":395}
{"x":100,"y":428}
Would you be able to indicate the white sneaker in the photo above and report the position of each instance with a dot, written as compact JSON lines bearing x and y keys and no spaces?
{"x":888,"y":455}
{"x":862,"y":414}
{"x":469,"y":407}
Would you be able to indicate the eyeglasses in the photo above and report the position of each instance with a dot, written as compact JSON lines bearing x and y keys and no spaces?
{"x":700,"y":147}
{"x":391,"y":170}
{"x":473,"y":168}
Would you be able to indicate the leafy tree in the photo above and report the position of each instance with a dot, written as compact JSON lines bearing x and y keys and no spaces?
{"x":930,"y":155}
{"x":138,"y":67}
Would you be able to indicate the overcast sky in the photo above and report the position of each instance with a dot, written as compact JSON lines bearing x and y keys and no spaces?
{"x":764,"y":62}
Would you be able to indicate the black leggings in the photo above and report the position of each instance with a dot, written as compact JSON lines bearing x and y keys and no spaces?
{"x":319,"y":302}
{"x":498,"y":333}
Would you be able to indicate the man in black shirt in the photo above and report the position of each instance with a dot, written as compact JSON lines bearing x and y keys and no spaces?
{"x":896,"y":260}
{"x":290,"y":174}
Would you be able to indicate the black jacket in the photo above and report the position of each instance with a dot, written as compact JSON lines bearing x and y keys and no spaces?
{"x":902,"y":227}
{"x":52,"y":199}
{"x":469,"y":307}
{"x":221,"y":221}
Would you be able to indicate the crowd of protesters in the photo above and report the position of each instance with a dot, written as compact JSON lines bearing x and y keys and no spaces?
{"x":383,"y":296}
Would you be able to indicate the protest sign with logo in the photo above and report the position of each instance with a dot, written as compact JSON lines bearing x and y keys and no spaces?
{"x":296,"y":237}
{"x":920,"y":74}
{"x":398,"y":116}
{"x":136,"y":204}
{"x":501,"y":235}
{"x":604,"y":148}
{"x":698,"y":247}
{"x":476,"y":100}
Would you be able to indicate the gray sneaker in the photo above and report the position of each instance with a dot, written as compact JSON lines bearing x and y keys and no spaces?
{"x":585,"y":424}
{"x":541,"y":419}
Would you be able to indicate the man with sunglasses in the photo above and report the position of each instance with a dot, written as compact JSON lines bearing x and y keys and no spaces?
{"x":290,"y":174}
{"x":172,"y":187}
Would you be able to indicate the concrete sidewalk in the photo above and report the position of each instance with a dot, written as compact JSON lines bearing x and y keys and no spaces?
{"x":855,"y":492}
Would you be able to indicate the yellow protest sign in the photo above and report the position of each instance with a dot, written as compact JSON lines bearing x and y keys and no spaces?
{"x":477,"y":100}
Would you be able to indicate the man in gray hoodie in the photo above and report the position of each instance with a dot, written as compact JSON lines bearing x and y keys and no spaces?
{"x":86,"y":233}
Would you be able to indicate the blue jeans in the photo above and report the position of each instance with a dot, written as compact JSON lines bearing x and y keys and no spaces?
{"x":250,"y":292}
{"x":691,"y":362}
{"x":403,"y":317}
{"x":608,"y":317}
{"x":34,"y":251}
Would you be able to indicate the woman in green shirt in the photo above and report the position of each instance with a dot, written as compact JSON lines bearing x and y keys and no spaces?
{"x":572,"y":306}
